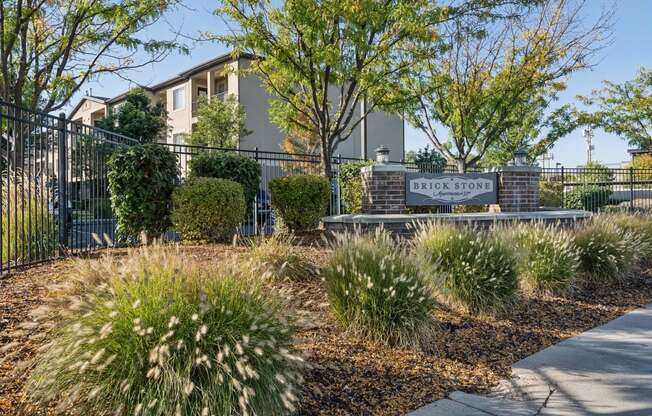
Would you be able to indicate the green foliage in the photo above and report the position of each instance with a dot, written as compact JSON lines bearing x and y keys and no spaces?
{"x":208,"y":209}
{"x":376,"y":291}
{"x":587,"y":197}
{"x":137,"y":118}
{"x":604,"y":251}
{"x":548,"y":259}
{"x":642,"y":165}
{"x":300,"y":200}
{"x":350,"y":183}
{"x":28,"y":226}
{"x":157,"y":333}
{"x":278,"y":258}
{"x":232,"y":166}
{"x":430,"y":160}
{"x":473,"y":268}
{"x":639,"y":229}
{"x":497,"y":98}
{"x":220,"y":123}
{"x":622,"y":109}
{"x":141,"y":181}
{"x":551,"y":193}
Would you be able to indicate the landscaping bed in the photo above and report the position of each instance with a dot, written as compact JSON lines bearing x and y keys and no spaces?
{"x":351,"y":375}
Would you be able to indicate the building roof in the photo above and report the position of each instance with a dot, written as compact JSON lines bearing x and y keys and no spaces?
{"x":634,"y":152}
{"x":183,"y":76}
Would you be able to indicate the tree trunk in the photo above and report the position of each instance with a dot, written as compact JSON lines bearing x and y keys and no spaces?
{"x":461,"y":165}
{"x":326,"y":169}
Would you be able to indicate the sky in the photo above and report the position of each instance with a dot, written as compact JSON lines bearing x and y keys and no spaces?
{"x":630,"y":49}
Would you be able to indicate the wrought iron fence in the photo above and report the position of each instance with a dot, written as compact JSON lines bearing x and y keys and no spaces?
{"x":55,"y":197}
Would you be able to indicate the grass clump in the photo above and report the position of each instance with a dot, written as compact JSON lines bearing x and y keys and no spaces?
{"x":156,"y":334}
{"x":639,"y":228}
{"x":278,"y":258}
{"x":472,"y":268}
{"x":377,"y":292}
{"x":548,"y":259}
{"x":604,"y":250}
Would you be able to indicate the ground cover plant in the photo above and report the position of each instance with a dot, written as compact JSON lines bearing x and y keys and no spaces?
{"x":157,"y":334}
{"x":141,"y":180}
{"x":300,"y":200}
{"x":548,"y":258}
{"x":472,"y":268}
{"x":276,"y":257}
{"x":208,"y":209}
{"x":376,"y":291}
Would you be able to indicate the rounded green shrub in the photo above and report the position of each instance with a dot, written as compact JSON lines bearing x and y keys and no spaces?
{"x":157,"y":334}
{"x":548,"y":259}
{"x":604,"y":250}
{"x":587,"y":197}
{"x":551,"y":193}
{"x":141,"y":180}
{"x":350,"y":183}
{"x":208,"y":209}
{"x":473,"y":268}
{"x":376,"y":291}
{"x":300,"y":200}
{"x":224,"y":165}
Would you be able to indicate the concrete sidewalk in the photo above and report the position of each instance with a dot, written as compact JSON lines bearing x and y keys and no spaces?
{"x":605,"y":371}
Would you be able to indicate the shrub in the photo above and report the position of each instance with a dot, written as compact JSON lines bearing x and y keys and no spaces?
{"x":141,"y":181}
{"x":548,"y":259}
{"x":301,"y":200}
{"x":642,"y":165}
{"x":232,"y":166}
{"x":551,"y":193}
{"x":638,"y":229}
{"x":587,"y":197}
{"x":277,"y":258}
{"x":208,"y":209}
{"x":28,"y":227}
{"x":155,"y":333}
{"x":376,"y":291}
{"x":473,"y":268}
{"x":350,"y":182}
{"x":603,"y":250}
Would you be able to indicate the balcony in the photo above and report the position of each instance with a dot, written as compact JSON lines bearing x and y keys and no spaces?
{"x":195,"y":104}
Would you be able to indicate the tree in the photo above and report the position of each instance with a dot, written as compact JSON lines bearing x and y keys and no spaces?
{"x":429,"y":160}
{"x":137,"y":118}
{"x":492,"y":86}
{"x":219,"y":123}
{"x":623,"y":109}
{"x":329,"y":63}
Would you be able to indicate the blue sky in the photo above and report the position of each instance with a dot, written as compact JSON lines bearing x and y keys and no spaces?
{"x":631,"y":48}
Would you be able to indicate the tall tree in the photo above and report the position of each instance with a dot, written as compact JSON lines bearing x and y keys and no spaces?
{"x":492,"y":86}
{"x":623,"y":109}
{"x":219,"y":123}
{"x":137,"y":118}
{"x":324,"y":58}
{"x":50,"y":48}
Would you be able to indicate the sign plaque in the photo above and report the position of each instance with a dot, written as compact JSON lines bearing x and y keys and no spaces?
{"x":451,"y":188}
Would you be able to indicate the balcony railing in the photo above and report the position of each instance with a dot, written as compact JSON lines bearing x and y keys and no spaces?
{"x":195,"y":104}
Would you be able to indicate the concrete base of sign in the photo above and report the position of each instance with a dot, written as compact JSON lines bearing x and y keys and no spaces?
{"x":405,"y":224}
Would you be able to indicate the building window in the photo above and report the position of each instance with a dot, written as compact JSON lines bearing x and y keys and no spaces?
{"x":178,"y":98}
{"x":179,"y":139}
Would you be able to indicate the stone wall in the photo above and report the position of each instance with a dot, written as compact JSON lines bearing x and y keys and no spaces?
{"x":518,"y":189}
{"x":383,"y":189}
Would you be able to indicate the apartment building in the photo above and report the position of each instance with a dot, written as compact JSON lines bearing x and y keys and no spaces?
{"x":214,"y":79}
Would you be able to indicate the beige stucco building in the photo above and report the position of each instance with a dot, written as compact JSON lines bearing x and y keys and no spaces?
{"x":214,"y":80}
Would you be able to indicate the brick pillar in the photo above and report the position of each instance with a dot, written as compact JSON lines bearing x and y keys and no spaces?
{"x":518,"y":189}
{"x":383,"y":189}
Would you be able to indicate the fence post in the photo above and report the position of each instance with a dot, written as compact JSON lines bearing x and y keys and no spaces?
{"x":563,"y":189}
{"x":62,"y":186}
{"x":631,"y":188}
{"x":255,"y":210}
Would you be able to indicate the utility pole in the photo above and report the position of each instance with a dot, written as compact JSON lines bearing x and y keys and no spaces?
{"x":588,"y":136}
{"x":547,"y":157}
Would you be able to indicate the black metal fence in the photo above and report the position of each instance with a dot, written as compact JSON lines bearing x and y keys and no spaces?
{"x":55,"y":198}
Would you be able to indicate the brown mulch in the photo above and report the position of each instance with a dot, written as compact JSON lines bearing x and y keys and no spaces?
{"x":349,"y":376}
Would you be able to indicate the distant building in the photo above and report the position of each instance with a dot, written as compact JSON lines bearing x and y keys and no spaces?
{"x":212,"y":79}
{"x":637,"y":152}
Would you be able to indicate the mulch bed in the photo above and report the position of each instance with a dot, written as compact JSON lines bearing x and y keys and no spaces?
{"x":349,"y":376}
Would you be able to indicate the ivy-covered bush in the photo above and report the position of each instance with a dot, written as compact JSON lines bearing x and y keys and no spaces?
{"x":300,"y":200}
{"x":350,"y":183}
{"x":473,"y":268}
{"x":376,"y":291}
{"x":238,"y":168}
{"x":548,"y":258}
{"x":208,"y":209}
{"x":141,"y":181}
{"x":587,"y":197}
{"x":156,"y":333}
